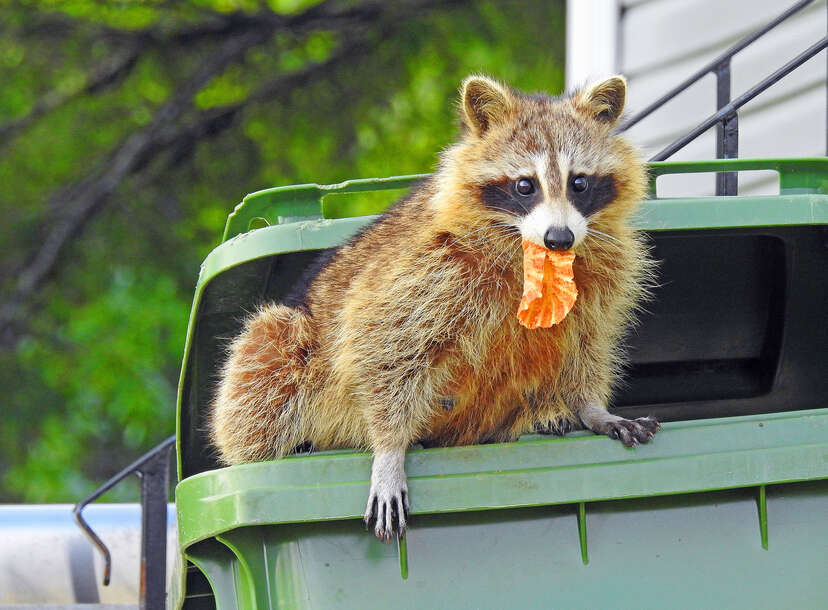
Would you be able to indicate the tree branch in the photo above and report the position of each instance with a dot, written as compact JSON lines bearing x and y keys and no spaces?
{"x":210,"y":122}
{"x":75,"y":205}
{"x":78,"y":202}
{"x":107,"y":75}
{"x":139,"y":42}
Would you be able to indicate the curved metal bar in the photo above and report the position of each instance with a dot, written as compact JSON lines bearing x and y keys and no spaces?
{"x":90,"y":533}
{"x":713,"y":65}
{"x":137,"y":467}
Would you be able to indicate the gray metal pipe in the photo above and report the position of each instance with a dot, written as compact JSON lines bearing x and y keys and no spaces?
{"x":46,"y":559}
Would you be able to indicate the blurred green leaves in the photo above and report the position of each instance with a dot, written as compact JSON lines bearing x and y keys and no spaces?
{"x":88,"y":376}
{"x":111,"y":362}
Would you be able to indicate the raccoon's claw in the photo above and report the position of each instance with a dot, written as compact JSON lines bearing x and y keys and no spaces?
{"x":559,"y":427}
{"x":389,"y":515}
{"x":387,"y":509}
{"x":633,"y":431}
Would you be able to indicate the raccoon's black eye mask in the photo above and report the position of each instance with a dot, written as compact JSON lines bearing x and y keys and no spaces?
{"x":508,"y":195}
{"x":590,"y":193}
{"x":587,"y":193}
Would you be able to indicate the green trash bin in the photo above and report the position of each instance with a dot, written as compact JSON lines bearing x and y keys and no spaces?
{"x":727,"y":507}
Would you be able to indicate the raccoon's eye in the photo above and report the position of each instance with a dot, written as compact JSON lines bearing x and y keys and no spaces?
{"x":525,"y":186}
{"x":579,"y":183}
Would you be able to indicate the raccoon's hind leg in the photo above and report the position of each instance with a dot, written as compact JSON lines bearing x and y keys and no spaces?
{"x":258,"y":412}
{"x":628,"y":431}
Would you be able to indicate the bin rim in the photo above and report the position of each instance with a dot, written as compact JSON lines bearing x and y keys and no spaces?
{"x":687,"y":457}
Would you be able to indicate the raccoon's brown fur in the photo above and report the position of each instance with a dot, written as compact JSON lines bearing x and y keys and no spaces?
{"x":409,"y":333}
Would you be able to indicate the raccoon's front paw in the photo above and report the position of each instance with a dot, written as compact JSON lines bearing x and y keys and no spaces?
{"x":388,"y":510}
{"x":633,"y":431}
{"x":628,"y":431}
{"x":388,"y":506}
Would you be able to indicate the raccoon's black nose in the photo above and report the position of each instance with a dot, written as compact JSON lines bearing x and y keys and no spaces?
{"x":556,"y":238}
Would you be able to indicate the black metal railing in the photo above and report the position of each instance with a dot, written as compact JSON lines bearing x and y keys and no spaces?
{"x":726,"y":117}
{"x":154,"y":470}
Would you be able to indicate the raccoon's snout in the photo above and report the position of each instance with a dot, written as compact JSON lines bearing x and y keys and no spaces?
{"x":553,"y":225}
{"x":558,"y":238}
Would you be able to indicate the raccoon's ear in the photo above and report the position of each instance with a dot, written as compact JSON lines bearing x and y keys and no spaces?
{"x":485,"y":102}
{"x":604,"y":101}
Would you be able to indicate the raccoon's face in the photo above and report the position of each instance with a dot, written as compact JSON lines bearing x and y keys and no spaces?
{"x":548,"y":167}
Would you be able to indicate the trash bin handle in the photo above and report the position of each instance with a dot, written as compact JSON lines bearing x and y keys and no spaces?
{"x":796,"y":176}
{"x":272,"y":204}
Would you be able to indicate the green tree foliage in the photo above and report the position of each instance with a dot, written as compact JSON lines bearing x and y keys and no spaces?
{"x":129,"y":129}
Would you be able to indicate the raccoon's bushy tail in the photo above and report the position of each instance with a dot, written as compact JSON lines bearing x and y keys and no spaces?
{"x":257,"y":413}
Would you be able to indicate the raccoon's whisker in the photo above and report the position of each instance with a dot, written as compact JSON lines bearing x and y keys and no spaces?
{"x":600,"y":239}
{"x":604,"y":243}
{"x":497,"y":229}
{"x":509,"y":240}
{"x":506,"y":225}
{"x":483,"y":240}
{"x":494,"y":226}
{"x":494,"y":247}
{"x":504,"y":211}
{"x":505,"y":243}
{"x":464,"y":236}
{"x":508,"y":212}
{"x":504,"y":250}
{"x":607,"y":235}
{"x":595,"y":232}
{"x":509,"y":230}
{"x":503,"y":225}
{"x":512,"y":198}
{"x":496,"y":261}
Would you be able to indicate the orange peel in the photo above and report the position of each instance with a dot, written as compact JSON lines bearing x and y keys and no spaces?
{"x":549,"y":290}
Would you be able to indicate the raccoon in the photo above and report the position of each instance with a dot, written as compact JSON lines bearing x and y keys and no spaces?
{"x":407,"y":333}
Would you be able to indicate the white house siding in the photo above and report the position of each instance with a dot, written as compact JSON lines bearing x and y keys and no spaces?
{"x":661,"y":42}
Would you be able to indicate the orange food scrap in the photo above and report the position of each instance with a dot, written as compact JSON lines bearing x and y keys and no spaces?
{"x":549,"y":290}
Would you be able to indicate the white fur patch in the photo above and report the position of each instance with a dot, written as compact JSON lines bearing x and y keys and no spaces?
{"x":541,"y":164}
{"x":576,"y":223}
{"x":558,"y":214}
{"x":564,"y":163}
{"x":535,"y":223}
